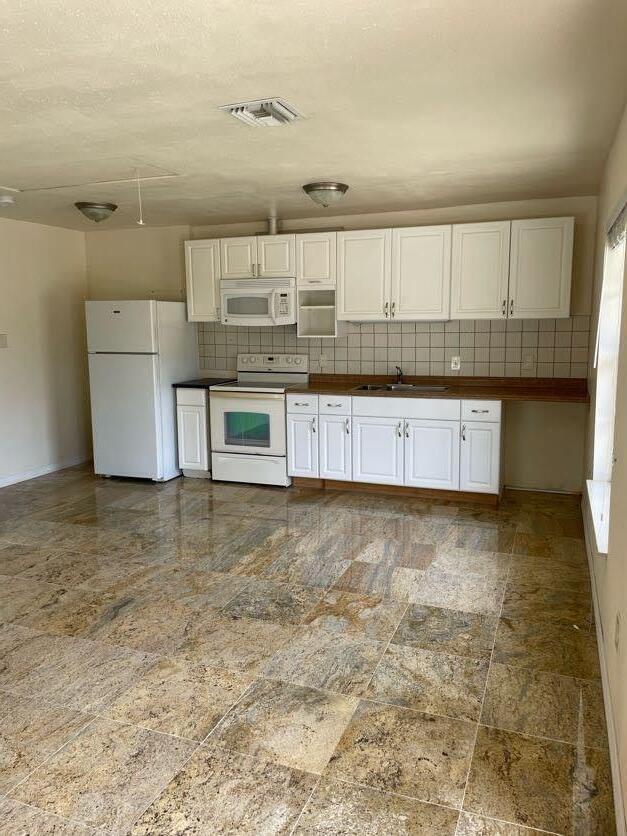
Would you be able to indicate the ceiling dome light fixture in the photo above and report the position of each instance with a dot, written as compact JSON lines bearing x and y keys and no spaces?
{"x":326,"y":192}
{"x":6,"y":201}
{"x":96,"y":212}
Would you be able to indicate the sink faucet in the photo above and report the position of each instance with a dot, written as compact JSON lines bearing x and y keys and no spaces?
{"x":399,"y":374}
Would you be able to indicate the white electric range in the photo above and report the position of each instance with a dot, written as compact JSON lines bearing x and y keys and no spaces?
{"x":248,"y":436}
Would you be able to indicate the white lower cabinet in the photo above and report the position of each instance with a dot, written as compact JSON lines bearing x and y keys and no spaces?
{"x":302,"y":445}
{"x":444,"y":444}
{"x":432,"y":454}
{"x":335,"y":447}
{"x":192,"y":430}
{"x":480,"y":456}
{"x":378,"y":450}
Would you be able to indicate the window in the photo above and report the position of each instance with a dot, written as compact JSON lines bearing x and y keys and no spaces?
{"x":606,"y":364}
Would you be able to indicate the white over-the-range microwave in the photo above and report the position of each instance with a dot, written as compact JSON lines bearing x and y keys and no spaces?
{"x":256,"y":302}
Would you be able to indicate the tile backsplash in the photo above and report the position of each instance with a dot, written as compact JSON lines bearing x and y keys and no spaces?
{"x":496,"y":348}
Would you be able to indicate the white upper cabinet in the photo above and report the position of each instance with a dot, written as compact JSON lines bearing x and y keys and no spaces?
{"x":202,"y":272}
{"x":316,"y":258}
{"x":541,"y":268}
{"x":480,"y":270}
{"x":276,"y":257}
{"x":364,"y":274}
{"x":239,"y":257}
{"x":421,"y":273}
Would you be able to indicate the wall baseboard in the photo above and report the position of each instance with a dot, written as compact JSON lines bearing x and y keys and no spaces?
{"x":5,"y":481}
{"x":619,"y":807}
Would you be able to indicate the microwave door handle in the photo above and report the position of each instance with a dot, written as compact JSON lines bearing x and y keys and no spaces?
{"x":272,"y":301}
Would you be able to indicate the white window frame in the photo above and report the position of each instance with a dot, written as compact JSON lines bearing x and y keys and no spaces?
{"x":606,"y":359}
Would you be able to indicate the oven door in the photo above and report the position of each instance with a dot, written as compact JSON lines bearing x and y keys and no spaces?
{"x":248,"y":422}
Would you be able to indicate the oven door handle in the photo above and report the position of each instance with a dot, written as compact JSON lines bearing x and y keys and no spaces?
{"x":251,"y":396}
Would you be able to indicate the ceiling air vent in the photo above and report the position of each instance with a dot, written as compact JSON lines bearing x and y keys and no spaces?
{"x":263,"y":113}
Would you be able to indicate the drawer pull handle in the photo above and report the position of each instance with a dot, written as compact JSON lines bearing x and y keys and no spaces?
{"x":334,"y":404}
{"x":480,"y":411}
{"x":301,"y":403}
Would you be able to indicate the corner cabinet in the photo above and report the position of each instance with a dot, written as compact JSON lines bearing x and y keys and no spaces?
{"x":202,"y":272}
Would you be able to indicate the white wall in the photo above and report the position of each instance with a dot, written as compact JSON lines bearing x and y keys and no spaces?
{"x":610,"y":573}
{"x":44,"y":417}
{"x":140,"y":263}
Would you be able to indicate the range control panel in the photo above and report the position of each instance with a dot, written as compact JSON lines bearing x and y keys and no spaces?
{"x":273,"y":362}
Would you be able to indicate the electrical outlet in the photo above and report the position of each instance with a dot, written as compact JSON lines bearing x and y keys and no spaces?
{"x":4,"y":340}
{"x":617,"y":632}
{"x":529,"y":362}
{"x":456,"y":363}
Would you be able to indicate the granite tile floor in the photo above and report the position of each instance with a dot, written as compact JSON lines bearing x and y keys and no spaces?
{"x":200,"y":658}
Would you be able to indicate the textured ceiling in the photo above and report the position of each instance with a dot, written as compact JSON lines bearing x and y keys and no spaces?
{"x":414,"y":103}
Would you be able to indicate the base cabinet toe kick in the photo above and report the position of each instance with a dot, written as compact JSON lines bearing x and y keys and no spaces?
{"x":424,"y":443}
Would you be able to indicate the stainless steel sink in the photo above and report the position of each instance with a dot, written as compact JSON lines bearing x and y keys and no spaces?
{"x":415,"y":387}
{"x":400,"y":387}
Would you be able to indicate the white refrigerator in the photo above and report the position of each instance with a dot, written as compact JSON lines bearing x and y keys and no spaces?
{"x":137,"y":350}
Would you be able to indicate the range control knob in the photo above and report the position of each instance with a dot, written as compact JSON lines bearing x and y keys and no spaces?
{"x":252,"y":359}
{"x":298,"y":360}
{"x":289,"y":360}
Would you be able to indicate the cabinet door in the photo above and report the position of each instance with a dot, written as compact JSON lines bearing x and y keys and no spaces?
{"x":335,"y":447}
{"x":432,"y":454}
{"x":238,"y":257}
{"x":378,"y":450}
{"x":541,"y":268}
{"x":480,"y":270}
{"x":480,"y":457}
{"x":202,"y":271}
{"x":192,"y":437}
{"x":421,"y":273}
{"x":316,"y":255}
{"x":302,"y":445}
{"x":276,"y":256}
{"x":364,"y":274}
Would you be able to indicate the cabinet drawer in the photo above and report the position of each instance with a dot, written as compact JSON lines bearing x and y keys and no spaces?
{"x":481,"y":410}
{"x":444,"y":409}
{"x":335,"y":404}
{"x":303,"y":403}
{"x":191,"y":397}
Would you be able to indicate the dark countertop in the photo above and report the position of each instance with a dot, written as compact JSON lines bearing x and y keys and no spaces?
{"x":573,"y":390}
{"x":202,"y":382}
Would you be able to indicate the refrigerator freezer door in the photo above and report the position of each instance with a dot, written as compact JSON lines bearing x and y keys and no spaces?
{"x":125,"y":415}
{"x":122,"y":327}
